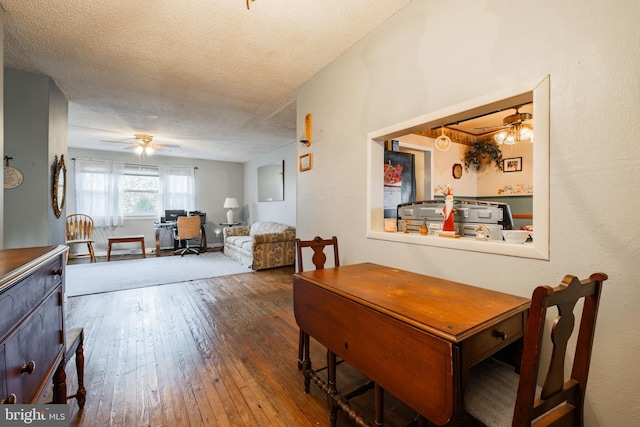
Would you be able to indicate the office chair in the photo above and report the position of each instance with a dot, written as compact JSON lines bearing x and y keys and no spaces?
{"x":188,"y":227}
{"x":496,"y":396}
{"x":79,"y":228}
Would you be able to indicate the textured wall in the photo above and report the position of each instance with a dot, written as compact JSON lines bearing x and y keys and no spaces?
{"x":435,"y":54}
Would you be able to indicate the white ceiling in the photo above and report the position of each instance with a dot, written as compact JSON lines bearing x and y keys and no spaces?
{"x":208,"y":75}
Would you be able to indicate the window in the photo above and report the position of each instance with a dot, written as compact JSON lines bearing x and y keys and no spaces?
{"x":109,"y":191}
{"x":178,"y":187}
{"x":98,"y":191}
{"x":141,"y":194}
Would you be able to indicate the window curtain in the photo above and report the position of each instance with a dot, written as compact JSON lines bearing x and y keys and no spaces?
{"x":99,"y":191}
{"x":178,"y":188}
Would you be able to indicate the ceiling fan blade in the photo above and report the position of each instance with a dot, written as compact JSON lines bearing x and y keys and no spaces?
{"x":492,"y":127}
{"x":119,"y":142}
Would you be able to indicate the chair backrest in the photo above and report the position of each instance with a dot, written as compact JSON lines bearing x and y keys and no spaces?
{"x":188,"y":227}
{"x":318,"y":245}
{"x":565,"y":394}
{"x":79,"y":227}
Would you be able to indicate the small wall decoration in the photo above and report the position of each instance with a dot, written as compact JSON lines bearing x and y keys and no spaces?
{"x":513,"y":164}
{"x":456,"y":170}
{"x":12,"y":176}
{"x":305,"y":162}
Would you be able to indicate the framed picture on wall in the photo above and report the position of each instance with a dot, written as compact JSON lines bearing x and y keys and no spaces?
{"x":305,"y":162}
{"x":513,"y":164}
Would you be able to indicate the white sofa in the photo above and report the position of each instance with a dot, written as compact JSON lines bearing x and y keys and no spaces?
{"x":261,"y":245}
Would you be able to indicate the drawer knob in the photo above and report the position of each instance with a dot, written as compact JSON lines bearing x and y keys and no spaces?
{"x":28,"y":368}
{"x":57,"y":272}
{"x":10,"y":400}
{"x":500,"y":335}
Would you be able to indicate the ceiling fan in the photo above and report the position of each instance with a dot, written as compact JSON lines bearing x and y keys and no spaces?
{"x":516,"y":129}
{"x":143,"y":144}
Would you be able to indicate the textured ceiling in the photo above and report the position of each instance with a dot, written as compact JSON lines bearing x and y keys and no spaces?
{"x":208,"y":75}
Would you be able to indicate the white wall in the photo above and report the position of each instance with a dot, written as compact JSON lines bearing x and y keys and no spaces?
{"x":214,"y":182}
{"x":434,"y":54}
{"x":284,"y":211}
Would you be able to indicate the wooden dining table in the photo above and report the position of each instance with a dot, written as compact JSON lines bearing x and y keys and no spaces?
{"x":413,"y":335}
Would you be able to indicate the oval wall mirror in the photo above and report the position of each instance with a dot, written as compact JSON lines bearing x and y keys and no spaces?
{"x":59,"y":187}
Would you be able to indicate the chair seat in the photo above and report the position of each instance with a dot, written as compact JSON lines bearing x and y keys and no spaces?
{"x":71,"y":344}
{"x":490,"y":394}
{"x":79,"y":241}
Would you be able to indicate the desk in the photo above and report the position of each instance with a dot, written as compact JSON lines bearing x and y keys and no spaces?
{"x":413,"y":335}
{"x":170,"y":226}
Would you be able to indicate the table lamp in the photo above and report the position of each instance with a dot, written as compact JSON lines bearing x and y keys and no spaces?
{"x":230,"y":203}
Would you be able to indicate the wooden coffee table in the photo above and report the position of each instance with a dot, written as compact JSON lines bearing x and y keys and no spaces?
{"x":126,"y":239}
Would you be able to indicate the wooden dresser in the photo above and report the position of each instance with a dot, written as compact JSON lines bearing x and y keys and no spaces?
{"x":32,"y":341}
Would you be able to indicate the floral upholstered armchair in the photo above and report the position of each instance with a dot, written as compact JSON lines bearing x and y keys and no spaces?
{"x":261,"y":245}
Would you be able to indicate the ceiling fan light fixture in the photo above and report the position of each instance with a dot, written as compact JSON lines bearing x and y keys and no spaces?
{"x":517,"y":130}
{"x":148,"y":150}
{"x":138,"y":149}
{"x":526,"y":132}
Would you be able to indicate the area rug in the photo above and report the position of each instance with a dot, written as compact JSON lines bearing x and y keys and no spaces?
{"x":85,"y":279}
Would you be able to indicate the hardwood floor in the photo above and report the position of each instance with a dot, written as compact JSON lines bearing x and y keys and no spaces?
{"x":215,"y":352}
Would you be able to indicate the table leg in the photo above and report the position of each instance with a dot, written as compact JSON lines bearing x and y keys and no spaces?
{"x":60,"y":383}
{"x":300,"y":349}
{"x":331,"y":374}
{"x":379,"y":404}
{"x":81,"y":394}
{"x":157,"y":233}
{"x":306,"y":364}
{"x":144,"y":251}
{"x":204,"y":240}
{"x":109,"y":250}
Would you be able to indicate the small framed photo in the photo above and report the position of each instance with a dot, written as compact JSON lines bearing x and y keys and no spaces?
{"x":513,"y":164}
{"x":305,"y":162}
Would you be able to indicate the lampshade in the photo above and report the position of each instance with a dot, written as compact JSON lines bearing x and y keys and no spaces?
{"x":230,"y":202}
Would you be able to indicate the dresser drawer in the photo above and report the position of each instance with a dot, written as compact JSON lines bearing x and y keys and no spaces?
{"x":493,"y":339}
{"x":32,"y":351}
{"x":17,"y":301}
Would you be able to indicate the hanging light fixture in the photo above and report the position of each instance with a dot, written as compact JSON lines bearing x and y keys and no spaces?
{"x":443,"y":142}
{"x":517,"y":131}
{"x":144,"y":145}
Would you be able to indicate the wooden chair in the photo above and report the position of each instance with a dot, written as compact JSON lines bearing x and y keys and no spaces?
{"x":496,"y":396}
{"x":188,"y":227}
{"x":80,"y":232}
{"x":319,"y":260}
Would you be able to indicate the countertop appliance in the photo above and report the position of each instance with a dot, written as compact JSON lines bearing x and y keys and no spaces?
{"x":468,"y":215}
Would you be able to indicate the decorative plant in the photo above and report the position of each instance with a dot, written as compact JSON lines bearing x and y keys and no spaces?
{"x":483,"y":152}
